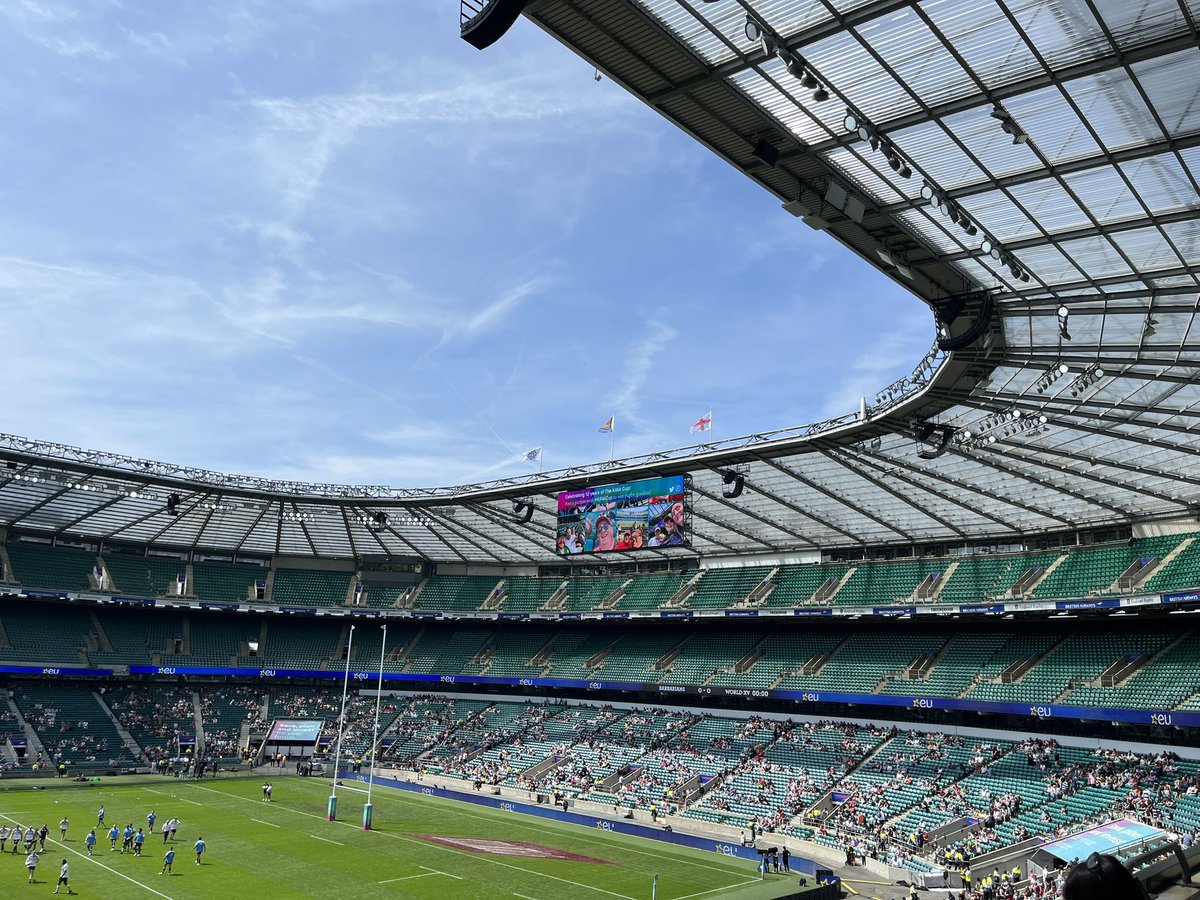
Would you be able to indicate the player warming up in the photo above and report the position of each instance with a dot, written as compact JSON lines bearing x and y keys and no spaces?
{"x":64,"y":878}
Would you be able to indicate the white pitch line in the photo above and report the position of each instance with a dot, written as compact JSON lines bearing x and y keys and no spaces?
{"x":186,"y":800}
{"x":326,"y":840}
{"x":714,"y":890}
{"x":440,"y":872}
{"x":410,"y":797}
{"x":95,"y":861}
{"x":261,"y":822}
{"x":406,"y":877}
{"x":524,"y":896}
{"x":427,"y":845}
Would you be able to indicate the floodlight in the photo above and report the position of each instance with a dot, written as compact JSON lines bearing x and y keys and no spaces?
{"x":928,"y":191}
{"x":809,"y":81}
{"x":753,"y":30}
{"x":986,"y":246}
{"x":821,"y":95}
{"x":850,"y":122}
{"x":905,"y":171}
{"x":1063,"y":312}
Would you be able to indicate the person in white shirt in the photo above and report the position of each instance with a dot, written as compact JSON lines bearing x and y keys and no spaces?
{"x":64,"y":877}
{"x":31,"y":862}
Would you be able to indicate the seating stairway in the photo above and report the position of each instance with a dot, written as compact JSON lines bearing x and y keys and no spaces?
{"x":72,"y":726}
{"x":1095,"y":569}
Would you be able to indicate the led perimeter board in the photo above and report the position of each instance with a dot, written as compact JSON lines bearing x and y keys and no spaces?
{"x":637,"y":515}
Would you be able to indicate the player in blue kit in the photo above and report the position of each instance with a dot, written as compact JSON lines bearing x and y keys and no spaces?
{"x":113,"y":834}
{"x":90,"y":840}
{"x":199,"y":847}
{"x":168,"y":861}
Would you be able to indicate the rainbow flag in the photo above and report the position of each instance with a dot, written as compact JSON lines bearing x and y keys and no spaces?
{"x":609,"y":426}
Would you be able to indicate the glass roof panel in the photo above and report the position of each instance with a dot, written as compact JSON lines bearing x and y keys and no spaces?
{"x":917,"y":57}
{"x":1173,"y":85}
{"x":985,"y":38}
{"x":1064,"y":31}
{"x":1050,"y":205}
{"x":999,"y":216}
{"x":1113,"y":107}
{"x":1135,"y":22}
{"x":1096,"y":256}
{"x":841,"y":60}
{"x":1105,"y":194}
{"x":1051,"y":125}
{"x":1148,"y":247}
{"x":1162,"y":183}
{"x":1186,"y":237}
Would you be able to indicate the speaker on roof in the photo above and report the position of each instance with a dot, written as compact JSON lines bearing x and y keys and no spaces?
{"x":173,"y":505}
{"x":735,"y":482}
{"x":522,"y":512}
{"x":483,"y":22}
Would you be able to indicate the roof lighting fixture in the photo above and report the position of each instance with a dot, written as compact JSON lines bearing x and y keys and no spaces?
{"x":1008,"y":124}
{"x":1086,"y":379}
{"x":1050,"y":376}
{"x":753,"y":28}
{"x":1063,"y":315}
{"x":799,"y":69}
{"x":1148,"y":329}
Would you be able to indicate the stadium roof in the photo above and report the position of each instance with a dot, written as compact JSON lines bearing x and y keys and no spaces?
{"x":1052,"y":149}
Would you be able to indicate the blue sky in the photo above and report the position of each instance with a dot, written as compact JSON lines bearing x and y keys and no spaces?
{"x":328,"y":240}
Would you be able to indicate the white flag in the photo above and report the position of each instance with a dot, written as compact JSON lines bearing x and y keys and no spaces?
{"x":533,"y":455}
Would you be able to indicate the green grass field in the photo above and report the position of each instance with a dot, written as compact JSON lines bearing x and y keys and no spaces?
{"x":286,"y":848}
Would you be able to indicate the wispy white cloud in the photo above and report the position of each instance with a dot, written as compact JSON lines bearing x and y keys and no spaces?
{"x":884,"y":358}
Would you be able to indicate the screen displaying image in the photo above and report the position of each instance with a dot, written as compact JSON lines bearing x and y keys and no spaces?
{"x":295,"y":731}
{"x":636,"y":515}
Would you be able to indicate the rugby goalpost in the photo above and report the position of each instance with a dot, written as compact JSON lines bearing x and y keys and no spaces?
{"x":368,"y":808}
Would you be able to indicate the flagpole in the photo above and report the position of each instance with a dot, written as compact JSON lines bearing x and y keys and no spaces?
{"x":541,"y":456}
{"x":612,"y":449}
{"x":367,"y":810}
{"x":337,"y":757}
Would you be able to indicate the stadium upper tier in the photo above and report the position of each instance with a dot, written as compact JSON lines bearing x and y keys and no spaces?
{"x":1170,"y":563}
{"x":1133,"y":664}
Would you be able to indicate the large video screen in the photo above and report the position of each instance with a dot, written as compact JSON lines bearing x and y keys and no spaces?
{"x":636,"y":515}
{"x":295,"y":731}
